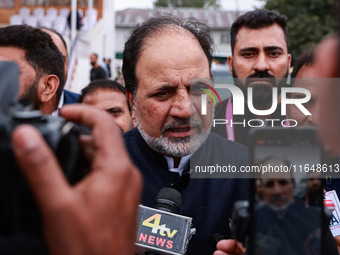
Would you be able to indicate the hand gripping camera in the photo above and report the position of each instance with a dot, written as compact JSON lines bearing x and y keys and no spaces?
{"x":20,"y":227}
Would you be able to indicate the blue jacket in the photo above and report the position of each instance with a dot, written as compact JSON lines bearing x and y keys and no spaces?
{"x":70,"y":97}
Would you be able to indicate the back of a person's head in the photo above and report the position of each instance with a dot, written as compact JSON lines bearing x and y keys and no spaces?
{"x":256,"y":20}
{"x":152,"y":27}
{"x":305,"y":59}
{"x":40,"y":51}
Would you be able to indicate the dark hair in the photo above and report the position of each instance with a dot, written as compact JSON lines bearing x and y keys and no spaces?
{"x":58,"y":34}
{"x":152,"y":27}
{"x":95,"y":54}
{"x":305,"y":59}
{"x":255,"y":20}
{"x":103,"y":84}
{"x":282,"y":160}
{"x":40,"y":51}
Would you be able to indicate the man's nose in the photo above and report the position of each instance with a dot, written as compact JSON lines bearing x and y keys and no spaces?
{"x":261,"y":63}
{"x":181,"y":105}
{"x":277,"y":189}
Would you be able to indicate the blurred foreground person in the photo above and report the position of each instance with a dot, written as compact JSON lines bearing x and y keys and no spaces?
{"x":306,"y":76}
{"x":328,"y":64}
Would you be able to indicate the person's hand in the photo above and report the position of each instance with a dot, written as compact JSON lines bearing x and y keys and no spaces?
{"x":229,"y":247}
{"x":337,"y":242}
{"x":99,"y":214}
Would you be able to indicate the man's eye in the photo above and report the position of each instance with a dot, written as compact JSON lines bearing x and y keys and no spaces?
{"x":114,"y":112}
{"x":274,"y":54}
{"x":269,"y":184}
{"x":162,"y":95}
{"x":248,"y":54}
{"x":283,"y":182}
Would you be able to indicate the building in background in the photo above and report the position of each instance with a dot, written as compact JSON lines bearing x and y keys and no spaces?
{"x":106,"y":31}
{"x":220,"y":21}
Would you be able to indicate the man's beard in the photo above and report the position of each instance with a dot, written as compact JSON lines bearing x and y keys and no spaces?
{"x":262,"y":93}
{"x":176,"y":146}
{"x":314,"y":191}
{"x":31,"y":96}
{"x":279,"y":208}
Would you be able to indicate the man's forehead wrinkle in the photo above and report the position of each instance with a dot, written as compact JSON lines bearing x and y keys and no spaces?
{"x":155,"y":42}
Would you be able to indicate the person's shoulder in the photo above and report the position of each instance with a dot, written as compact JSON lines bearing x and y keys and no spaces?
{"x":218,"y":150}
{"x":70,"y":97}
{"x":131,"y":139}
{"x":222,"y":142}
{"x":102,"y":72}
{"x":132,"y":134}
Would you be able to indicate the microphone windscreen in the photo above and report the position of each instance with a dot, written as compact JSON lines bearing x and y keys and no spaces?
{"x":168,"y":199}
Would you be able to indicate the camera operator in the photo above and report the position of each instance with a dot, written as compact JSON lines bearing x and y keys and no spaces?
{"x":98,"y":214}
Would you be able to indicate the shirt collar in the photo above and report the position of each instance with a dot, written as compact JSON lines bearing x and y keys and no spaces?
{"x":182,"y":164}
{"x":61,"y":103}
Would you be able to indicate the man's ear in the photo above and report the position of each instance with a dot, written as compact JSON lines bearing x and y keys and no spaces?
{"x":289,"y":60}
{"x":230,"y":64}
{"x":130,"y":98}
{"x":48,"y":86}
{"x":133,"y":109}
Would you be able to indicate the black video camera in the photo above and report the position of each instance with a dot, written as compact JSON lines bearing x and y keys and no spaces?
{"x":20,"y":224}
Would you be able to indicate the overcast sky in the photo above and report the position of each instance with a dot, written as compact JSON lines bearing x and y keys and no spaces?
{"x":226,"y":4}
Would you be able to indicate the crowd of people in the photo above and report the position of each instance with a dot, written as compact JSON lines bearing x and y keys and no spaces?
{"x":164,"y":133}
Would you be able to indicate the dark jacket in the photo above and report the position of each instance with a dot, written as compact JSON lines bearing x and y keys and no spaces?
{"x":208,"y":201}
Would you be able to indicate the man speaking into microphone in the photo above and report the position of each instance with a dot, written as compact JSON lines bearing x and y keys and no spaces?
{"x":161,"y":58}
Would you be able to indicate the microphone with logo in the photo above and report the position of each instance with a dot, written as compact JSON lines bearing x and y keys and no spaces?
{"x":161,"y":230}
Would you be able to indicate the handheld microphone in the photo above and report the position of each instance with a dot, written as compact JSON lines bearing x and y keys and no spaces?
{"x":161,"y":230}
